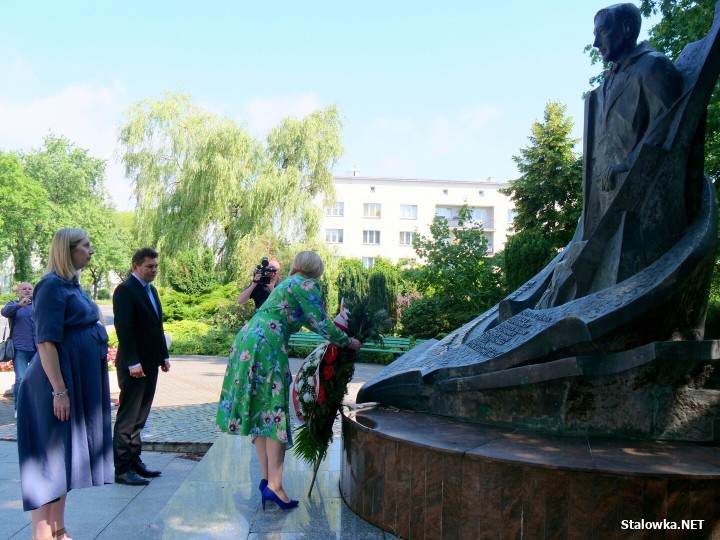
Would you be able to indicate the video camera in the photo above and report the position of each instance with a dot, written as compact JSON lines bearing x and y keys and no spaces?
{"x":265,"y":271}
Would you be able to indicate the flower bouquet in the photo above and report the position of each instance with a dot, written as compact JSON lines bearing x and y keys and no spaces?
{"x":321,"y":383}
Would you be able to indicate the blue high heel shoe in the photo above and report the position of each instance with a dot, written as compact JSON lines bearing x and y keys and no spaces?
{"x":269,"y":495}
{"x":263,"y":485}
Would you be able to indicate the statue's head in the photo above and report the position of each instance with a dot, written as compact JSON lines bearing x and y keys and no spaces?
{"x":616,"y":30}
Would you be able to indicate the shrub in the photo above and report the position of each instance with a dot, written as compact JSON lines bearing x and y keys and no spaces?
{"x":425,"y":318}
{"x":112,"y":339}
{"x":191,"y":271}
{"x":212,"y":307}
{"x":192,"y":337}
{"x":103,"y":294}
{"x":229,"y":314}
{"x":526,"y":253}
{"x":383,"y":359}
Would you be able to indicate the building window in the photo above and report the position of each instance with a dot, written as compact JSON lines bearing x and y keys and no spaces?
{"x":371,"y":237}
{"x":408,"y":211}
{"x":511,"y":215}
{"x":407,"y":262}
{"x":337,"y":210}
{"x":334,"y":236}
{"x":446,"y":213}
{"x":484,"y":217}
{"x":490,"y":247}
{"x":406,"y":238}
{"x":371,"y":210}
{"x":368,"y":262}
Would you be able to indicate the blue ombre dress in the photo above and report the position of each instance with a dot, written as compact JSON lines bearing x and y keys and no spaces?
{"x":55,"y":456}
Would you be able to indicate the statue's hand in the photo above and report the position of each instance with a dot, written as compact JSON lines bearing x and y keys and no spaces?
{"x":608,"y":181}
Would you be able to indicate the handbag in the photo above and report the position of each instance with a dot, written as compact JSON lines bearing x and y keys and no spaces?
{"x":7,"y":349}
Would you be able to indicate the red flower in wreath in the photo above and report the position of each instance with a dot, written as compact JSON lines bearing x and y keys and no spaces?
{"x":331,"y":354}
{"x":321,"y":395}
{"x":328,"y":372}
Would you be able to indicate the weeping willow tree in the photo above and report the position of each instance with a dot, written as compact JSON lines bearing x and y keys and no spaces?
{"x":203,"y":180}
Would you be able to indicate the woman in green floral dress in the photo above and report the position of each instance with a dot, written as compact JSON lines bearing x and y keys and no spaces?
{"x":255,"y":397}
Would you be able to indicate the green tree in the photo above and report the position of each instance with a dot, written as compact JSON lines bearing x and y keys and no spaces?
{"x":191,"y":271}
{"x":24,"y":209}
{"x":683,"y":22}
{"x":385,"y":285}
{"x":76,"y":196}
{"x":352,"y":277}
{"x":548,"y":195}
{"x":111,"y":242}
{"x":525,"y":254}
{"x":124,"y":222}
{"x":72,"y":178}
{"x":203,"y":180}
{"x":457,"y":278}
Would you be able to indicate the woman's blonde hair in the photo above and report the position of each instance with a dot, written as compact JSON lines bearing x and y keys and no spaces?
{"x":59,"y":260}
{"x":307,"y":263}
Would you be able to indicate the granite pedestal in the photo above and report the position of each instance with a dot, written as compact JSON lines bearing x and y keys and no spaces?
{"x":422,"y":476}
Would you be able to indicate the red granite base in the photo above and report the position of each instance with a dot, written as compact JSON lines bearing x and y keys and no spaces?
{"x":421,"y":476}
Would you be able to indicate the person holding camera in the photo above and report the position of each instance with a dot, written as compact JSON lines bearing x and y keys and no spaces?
{"x":264,"y":281}
{"x":22,"y":331}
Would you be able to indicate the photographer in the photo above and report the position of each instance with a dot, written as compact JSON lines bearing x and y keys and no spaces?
{"x":22,"y":331}
{"x":263,"y":283}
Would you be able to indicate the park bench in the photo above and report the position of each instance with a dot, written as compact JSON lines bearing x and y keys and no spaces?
{"x":390,"y":344}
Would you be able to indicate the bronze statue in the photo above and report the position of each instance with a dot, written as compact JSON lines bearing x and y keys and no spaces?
{"x":636,"y":273}
{"x":638,"y":90}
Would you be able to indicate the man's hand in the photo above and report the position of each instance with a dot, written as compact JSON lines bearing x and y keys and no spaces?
{"x":137,"y":372}
{"x":166,"y":366}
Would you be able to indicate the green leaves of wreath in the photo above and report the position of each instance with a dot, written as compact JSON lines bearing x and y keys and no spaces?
{"x":312,"y":439}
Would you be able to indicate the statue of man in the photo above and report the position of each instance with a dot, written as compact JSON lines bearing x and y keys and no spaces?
{"x":641,"y":85}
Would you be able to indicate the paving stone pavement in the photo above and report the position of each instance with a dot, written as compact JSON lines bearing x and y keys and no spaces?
{"x":182,"y":418}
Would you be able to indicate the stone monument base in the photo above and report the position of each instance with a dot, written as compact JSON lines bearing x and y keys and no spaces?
{"x":423,"y":476}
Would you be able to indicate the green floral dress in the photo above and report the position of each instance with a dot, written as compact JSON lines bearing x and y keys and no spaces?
{"x":255,"y":395}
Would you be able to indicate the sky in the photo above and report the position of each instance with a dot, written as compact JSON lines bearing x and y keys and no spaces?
{"x":425,"y":89}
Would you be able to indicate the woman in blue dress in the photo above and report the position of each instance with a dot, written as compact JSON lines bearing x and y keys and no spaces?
{"x":64,"y":435}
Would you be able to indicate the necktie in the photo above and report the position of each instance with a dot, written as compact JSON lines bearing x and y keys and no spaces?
{"x":152,"y":299}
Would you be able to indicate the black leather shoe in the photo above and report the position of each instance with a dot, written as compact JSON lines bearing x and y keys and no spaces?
{"x":131,"y":478}
{"x":143,"y":471}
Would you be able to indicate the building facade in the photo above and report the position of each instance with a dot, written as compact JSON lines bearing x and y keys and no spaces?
{"x":379,"y":217}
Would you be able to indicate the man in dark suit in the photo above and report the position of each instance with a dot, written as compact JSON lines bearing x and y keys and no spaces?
{"x":142,"y":351}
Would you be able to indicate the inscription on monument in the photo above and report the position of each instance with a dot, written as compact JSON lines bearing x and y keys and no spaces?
{"x":510,"y":333}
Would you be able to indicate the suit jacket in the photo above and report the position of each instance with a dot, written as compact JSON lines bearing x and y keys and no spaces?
{"x":141,"y":338}
{"x":629,"y":101}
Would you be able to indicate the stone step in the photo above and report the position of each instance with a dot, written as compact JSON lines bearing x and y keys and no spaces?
{"x":220,"y":498}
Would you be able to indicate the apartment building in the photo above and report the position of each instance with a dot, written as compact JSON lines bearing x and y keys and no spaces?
{"x":379,"y":217}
